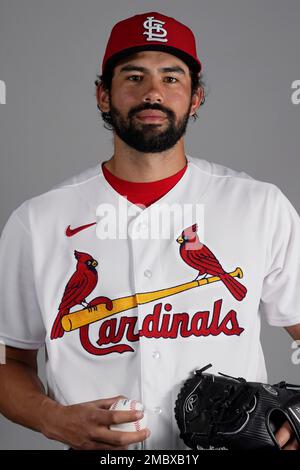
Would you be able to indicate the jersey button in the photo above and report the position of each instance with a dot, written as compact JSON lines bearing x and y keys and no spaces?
{"x":155,"y":355}
{"x":157,"y":410}
{"x":148,"y":273}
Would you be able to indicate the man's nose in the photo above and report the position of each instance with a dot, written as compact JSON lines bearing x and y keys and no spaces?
{"x":153,"y":91}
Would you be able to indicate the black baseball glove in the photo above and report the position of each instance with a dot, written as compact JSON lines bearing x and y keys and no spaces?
{"x":224,"y":412}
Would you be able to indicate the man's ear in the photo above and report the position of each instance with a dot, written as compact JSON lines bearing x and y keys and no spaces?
{"x":197,"y":100}
{"x":102,"y":96}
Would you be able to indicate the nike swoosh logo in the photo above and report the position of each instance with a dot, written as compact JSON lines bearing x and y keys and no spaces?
{"x":72,"y":231}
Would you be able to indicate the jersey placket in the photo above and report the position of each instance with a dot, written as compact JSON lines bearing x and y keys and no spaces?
{"x":146,"y":275}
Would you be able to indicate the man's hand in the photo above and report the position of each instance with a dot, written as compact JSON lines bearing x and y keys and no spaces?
{"x":285,"y":437}
{"x":85,"y":426}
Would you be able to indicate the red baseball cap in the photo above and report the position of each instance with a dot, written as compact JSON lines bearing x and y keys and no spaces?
{"x":151,"y":31}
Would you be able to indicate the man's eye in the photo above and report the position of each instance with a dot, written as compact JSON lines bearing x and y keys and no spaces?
{"x":172,"y":78}
{"x":133,"y":77}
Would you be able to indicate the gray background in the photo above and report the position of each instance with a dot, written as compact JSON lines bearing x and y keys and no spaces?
{"x":50,"y":52}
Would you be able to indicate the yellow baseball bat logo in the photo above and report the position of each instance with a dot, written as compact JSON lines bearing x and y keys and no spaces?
{"x":86,"y":316}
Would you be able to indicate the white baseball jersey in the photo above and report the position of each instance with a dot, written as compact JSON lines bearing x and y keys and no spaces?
{"x":123,"y":311}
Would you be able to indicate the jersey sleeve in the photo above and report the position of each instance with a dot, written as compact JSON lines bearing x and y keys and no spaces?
{"x":21,"y":324}
{"x":280,"y":299}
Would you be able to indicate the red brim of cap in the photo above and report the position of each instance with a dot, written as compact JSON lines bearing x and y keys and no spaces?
{"x":193,"y":64}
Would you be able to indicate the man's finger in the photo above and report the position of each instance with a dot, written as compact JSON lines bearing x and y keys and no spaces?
{"x":122,"y":438}
{"x":292,"y":445}
{"x":107,"y":402}
{"x":108,"y":417}
{"x":283,"y":434}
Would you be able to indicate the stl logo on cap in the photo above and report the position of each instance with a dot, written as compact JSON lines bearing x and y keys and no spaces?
{"x":151,"y":31}
{"x":155,"y":31}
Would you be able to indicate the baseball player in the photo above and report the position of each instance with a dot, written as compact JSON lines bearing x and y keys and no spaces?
{"x":144,"y":267}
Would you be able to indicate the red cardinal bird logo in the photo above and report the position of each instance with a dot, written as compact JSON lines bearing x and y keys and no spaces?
{"x":198,"y":256}
{"x":80,"y":285}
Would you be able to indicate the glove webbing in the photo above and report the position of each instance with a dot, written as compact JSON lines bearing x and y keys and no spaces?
{"x":243,"y":395}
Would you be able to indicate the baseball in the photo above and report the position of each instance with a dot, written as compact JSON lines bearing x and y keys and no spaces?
{"x":129,"y":405}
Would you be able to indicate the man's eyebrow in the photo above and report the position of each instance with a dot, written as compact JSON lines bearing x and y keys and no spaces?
{"x":137,"y":68}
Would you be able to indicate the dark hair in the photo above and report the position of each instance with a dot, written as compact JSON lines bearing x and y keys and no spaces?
{"x":106,"y":80}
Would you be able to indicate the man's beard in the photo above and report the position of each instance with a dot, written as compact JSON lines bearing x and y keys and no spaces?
{"x":148,"y":138}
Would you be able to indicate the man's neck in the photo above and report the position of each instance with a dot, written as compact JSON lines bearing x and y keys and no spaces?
{"x":131,"y":165}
